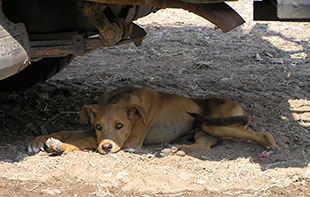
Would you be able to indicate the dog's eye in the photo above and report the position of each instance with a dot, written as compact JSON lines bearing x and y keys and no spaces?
{"x":98,"y":127}
{"x":119,"y":125}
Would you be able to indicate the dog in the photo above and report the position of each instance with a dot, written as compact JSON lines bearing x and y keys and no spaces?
{"x":129,"y":117}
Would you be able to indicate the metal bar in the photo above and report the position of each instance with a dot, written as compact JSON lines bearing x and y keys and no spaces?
{"x":78,"y":42}
{"x":46,"y":49}
{"x":220,"y":14}
{"x":47,"y":43}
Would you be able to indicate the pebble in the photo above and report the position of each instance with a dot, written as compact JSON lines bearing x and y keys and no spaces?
{"x":108,"y":174}
{"x":52,"y":191}
{"x":8,"y":160}
{"x":277,"y":61}
{"x":295,"y":178}
{"x":265,"y":154}
{"x":269,"y":54}
{"x":130,"y":150}
{"x":166,"y":152}
{"x":205,"y":64}
{"x":121,"y":175}
{"x":258,"y":57}
{"x":181,"y":153}
{"x":201,"y":182}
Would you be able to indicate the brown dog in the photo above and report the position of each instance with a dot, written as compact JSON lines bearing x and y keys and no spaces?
{"x":128,"y":117}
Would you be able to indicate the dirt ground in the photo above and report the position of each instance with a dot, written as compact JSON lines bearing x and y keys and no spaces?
{"x":264,"y":66}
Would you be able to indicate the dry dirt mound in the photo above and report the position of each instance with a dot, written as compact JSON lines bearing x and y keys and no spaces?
{"x":263,"y":66}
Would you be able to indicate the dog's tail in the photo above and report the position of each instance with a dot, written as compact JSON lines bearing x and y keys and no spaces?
{"x":223,"y":121}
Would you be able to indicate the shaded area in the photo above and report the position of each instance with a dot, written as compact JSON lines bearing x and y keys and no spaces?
{"x":240,"y":66}
{"x":270,"y":82}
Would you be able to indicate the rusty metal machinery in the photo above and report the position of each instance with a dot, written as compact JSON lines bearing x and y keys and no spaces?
{"x":50,"y":32}
{"x":112,"y":31}
{"x":77,"y":45}
{"x":216,"y":11}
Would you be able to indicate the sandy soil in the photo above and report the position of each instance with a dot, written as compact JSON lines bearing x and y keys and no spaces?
{"x":264,"y":66}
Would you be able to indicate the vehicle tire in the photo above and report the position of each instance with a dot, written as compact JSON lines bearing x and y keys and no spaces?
{"x":35,"y":73}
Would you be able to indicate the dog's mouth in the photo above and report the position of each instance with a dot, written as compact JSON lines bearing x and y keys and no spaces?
{"x":106,"y":152}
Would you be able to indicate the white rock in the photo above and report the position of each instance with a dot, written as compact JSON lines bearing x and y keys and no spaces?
{"x":108,"y":174}
{"x":201,"y":182}
{"x":52,"y":191}
{"x":121,"y":175}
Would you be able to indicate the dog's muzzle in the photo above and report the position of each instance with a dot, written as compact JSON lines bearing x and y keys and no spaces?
{"x":108,"y":146}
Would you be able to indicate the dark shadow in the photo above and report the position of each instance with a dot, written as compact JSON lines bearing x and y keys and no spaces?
{"x":205,"y":62}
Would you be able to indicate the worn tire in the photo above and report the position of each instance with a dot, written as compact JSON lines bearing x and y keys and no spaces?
{"x":35,"y":73}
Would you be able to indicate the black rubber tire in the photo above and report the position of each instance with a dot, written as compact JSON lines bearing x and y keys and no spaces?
{"x":35,"y":73}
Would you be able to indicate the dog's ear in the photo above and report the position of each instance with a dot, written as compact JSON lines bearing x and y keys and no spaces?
{"x":88,"y":113}
{"x":135,"y":112}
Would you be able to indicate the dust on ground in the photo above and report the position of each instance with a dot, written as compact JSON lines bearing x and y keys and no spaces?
{"x":264,"y":66}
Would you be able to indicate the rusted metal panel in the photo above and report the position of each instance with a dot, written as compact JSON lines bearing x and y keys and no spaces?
{"x":220,"y":14}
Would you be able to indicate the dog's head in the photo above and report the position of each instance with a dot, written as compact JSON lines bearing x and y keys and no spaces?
{"x":113,"y":124}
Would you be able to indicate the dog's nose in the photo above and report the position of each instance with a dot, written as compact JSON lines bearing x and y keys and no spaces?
{"x":107,"y":146}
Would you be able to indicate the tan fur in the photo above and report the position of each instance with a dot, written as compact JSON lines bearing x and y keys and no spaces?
{"x":148,"y":116}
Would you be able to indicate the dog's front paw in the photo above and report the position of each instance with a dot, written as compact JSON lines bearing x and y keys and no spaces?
{"x":53,"y":145}
{"x":45,"y":144}
{"x":38,"y":144}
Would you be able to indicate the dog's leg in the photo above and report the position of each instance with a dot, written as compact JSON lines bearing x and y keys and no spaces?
{"x":38,"y":144}
{"x":240,"y":132}
{"x":203,"y":141}
{"x":55,"y":145}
